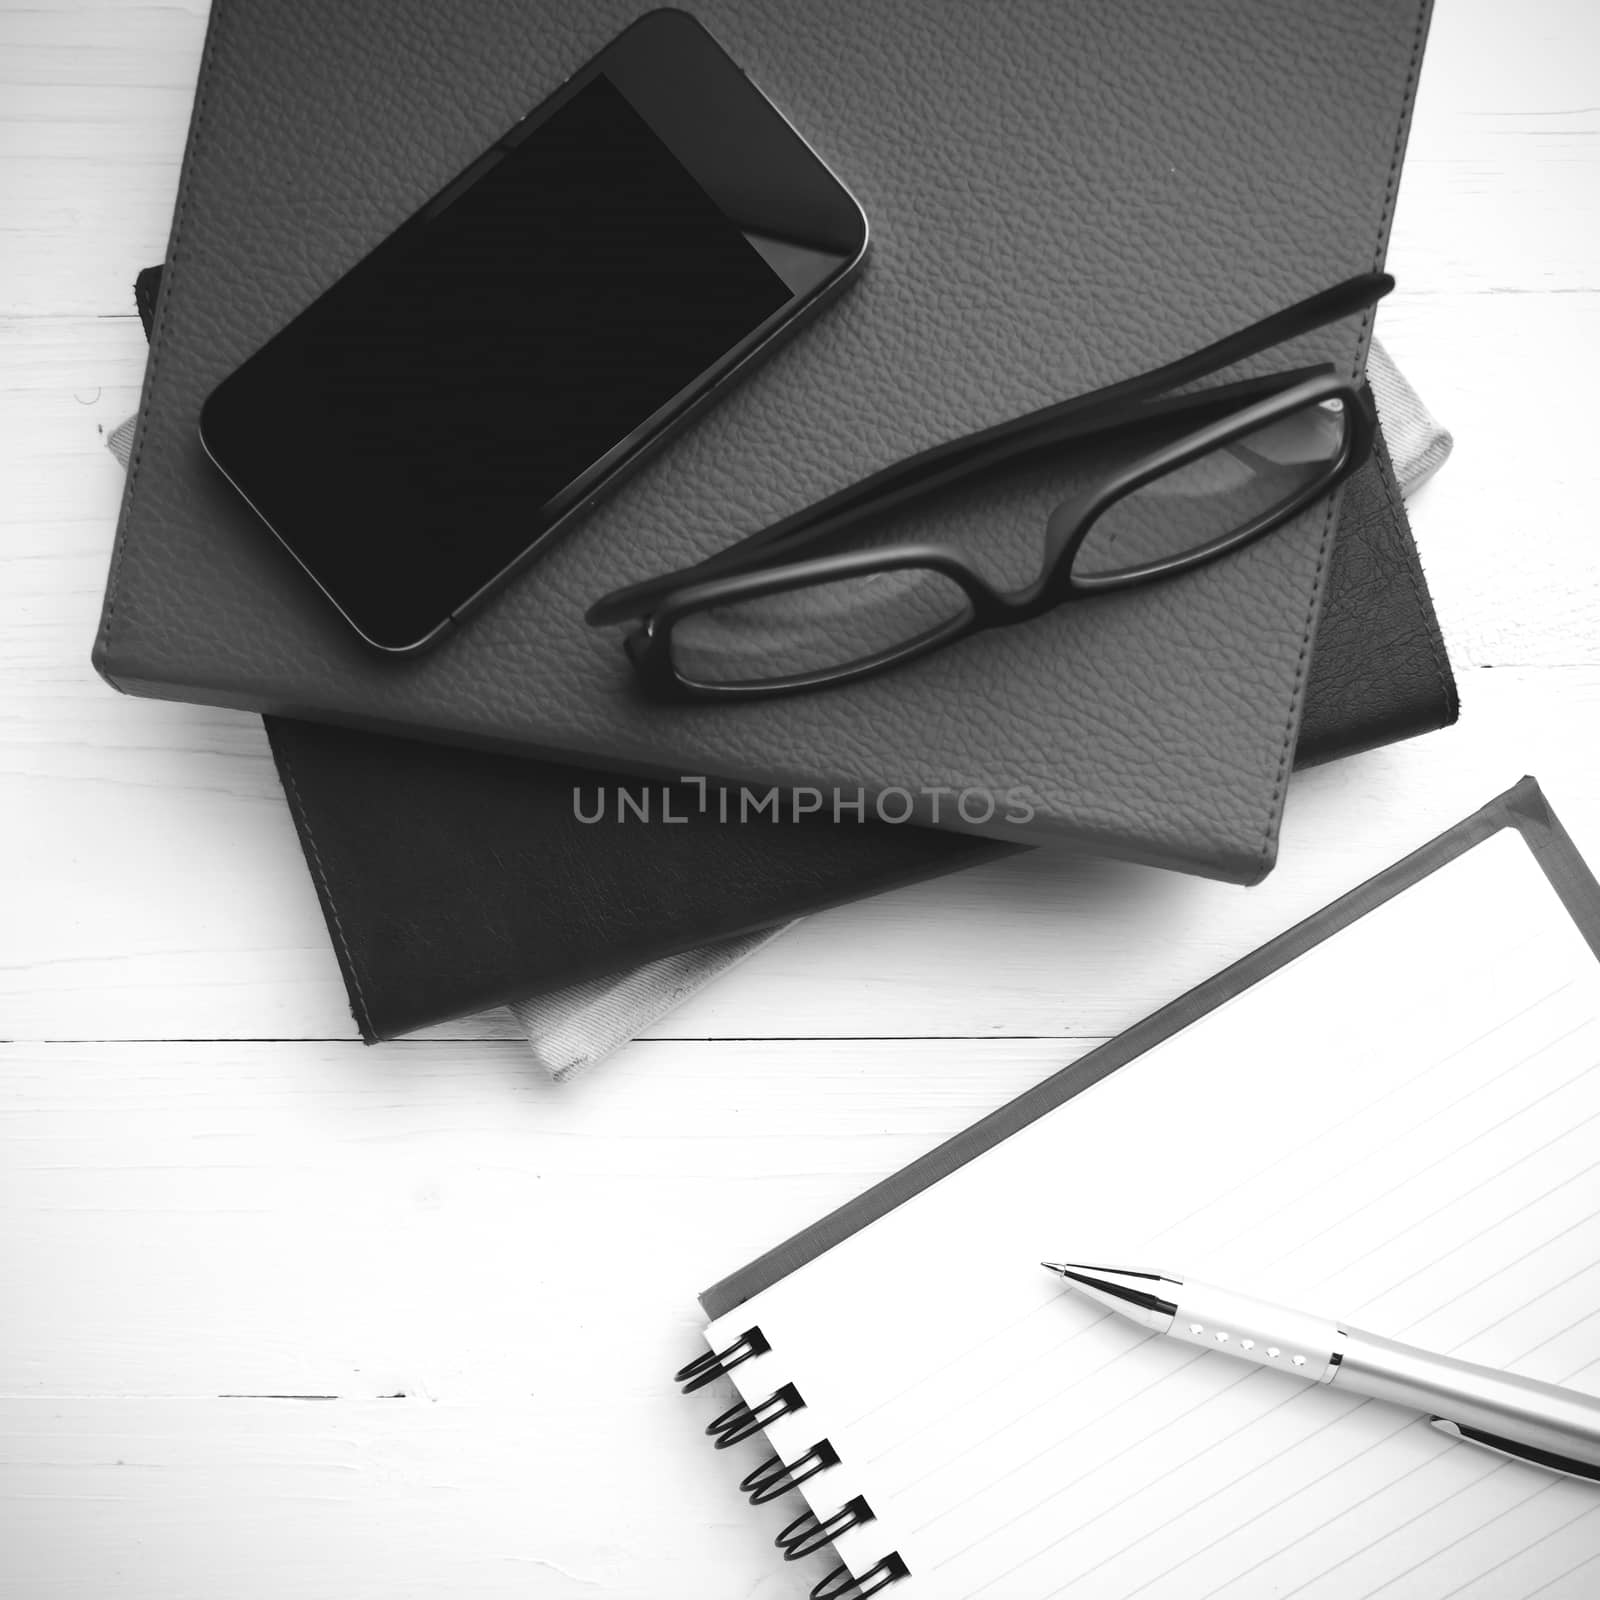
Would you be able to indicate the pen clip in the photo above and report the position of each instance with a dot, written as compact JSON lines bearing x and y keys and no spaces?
{"x":1518,"y":1452}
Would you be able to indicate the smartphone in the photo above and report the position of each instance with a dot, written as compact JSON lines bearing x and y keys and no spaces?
{"x":540,"y":325}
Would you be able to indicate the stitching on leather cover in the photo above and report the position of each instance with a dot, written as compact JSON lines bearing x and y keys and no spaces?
{"x":191,"y":160}
{"x":1412,"y":564}
{"x":1286,"y":755}
{"x":303,"y":817}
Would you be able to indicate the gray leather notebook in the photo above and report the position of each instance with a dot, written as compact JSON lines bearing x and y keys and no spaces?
{"x":1061,"y":195}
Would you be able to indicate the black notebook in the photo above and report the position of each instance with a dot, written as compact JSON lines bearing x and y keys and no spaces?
{"x":456,"y":880}
{"x":1387,"y":1113}
{"x":1062,"y":194}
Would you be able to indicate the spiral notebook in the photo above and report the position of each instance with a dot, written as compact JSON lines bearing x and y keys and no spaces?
{"x":1389,"y":1113}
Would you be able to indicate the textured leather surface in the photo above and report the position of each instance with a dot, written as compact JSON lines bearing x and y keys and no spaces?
{"x":1379,"y":671}
{"x":1062,"y":193}
{"x":453,"y":880}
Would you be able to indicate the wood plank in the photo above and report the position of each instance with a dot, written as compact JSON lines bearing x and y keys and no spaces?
{"x":1507,"y":529}
{"x":197,"y":1221}
{"x":1503,"y":164}
{"x":94,"y":106}
{"x":492,"y":1276}
{"x":509,"y":1499}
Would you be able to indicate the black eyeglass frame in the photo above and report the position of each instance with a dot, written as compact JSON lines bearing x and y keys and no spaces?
{"x":774,"y":561}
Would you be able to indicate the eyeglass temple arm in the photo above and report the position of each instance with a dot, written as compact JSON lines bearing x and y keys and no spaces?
{"x":943,"y":463}
{"x":824,"y":521}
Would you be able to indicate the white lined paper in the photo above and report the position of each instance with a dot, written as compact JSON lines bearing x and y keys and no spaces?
{"x":1401,"y":1128}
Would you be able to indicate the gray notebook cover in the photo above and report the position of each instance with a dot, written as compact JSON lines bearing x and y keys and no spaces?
{"x":1522,"y":807}
{"x":1062,"y":193}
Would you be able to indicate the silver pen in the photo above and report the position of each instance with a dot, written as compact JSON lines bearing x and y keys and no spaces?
{"x":1537,"y":1422}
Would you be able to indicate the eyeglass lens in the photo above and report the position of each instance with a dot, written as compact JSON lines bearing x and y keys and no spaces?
{"x":1236,"y":486}
{"x":845,"y":622}
{"x":820,"y":628}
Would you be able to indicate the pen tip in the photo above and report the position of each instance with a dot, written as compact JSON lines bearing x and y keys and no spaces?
{"x":1053,"y":1266}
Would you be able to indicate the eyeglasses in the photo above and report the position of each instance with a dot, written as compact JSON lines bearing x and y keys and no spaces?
{"x":1198,"y":475}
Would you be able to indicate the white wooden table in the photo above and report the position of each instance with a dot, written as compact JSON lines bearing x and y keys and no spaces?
{"x":283,"y":1316}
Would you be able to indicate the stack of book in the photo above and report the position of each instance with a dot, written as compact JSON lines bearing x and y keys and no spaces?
{"x":1059,"y":200}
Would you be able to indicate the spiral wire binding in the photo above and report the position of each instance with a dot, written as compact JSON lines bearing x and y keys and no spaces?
{"x":775,"y":1477}
{"x":840,"y":1585}
{"x":808,"y":1534}
{"x":741,"y":1421}
{"x":714,"y":1363}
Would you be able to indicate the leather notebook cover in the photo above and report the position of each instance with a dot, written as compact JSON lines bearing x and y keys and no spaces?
{"x":457,"y":880}
{"x":1061,"y":194}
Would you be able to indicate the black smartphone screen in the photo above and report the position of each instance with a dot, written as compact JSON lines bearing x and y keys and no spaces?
{"x":442,"y":406}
